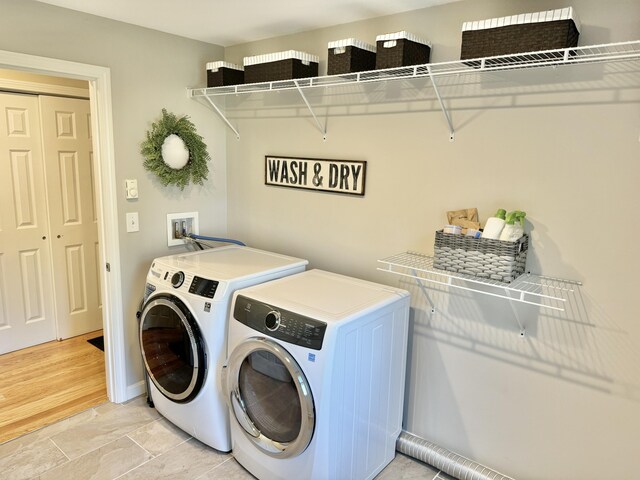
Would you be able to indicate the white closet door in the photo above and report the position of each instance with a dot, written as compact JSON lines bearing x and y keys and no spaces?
{"x":26,"y":298}
{"x":66,"y":133}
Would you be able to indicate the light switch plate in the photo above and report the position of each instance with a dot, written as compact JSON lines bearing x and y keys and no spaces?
{"x":131,"y":187}
{"x":133,"y":224}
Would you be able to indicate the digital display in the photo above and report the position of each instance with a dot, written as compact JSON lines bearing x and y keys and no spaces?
{"x":203,"y":287}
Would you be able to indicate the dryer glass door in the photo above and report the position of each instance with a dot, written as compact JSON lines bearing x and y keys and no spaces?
{"x":172,"y":348}
{"x":270,"y":397}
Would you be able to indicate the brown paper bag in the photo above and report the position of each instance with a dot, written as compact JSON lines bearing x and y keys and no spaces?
{"x":467,"y":218}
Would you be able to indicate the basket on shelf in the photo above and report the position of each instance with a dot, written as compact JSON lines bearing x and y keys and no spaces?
{"x":527,"y":32}
{"x":350,"y":56}
{"x":280,"y":66}
{"x":401,"y":49}
{"x":223,"y":73}
{"x":483,"y":258}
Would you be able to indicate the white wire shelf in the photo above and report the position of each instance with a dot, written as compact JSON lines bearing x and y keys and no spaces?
{"x":546,"y":292}
{"x":611,"y":52}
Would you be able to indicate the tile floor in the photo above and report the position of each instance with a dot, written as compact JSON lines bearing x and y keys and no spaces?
{"x":132,"y":441}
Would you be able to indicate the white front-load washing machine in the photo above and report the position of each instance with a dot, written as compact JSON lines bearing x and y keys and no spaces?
{"x":183,"y":331}
{"x":315,"y":376}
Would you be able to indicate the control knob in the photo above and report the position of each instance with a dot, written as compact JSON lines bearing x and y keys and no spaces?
{"x":272,"y":320}
{"x":177,"y":279}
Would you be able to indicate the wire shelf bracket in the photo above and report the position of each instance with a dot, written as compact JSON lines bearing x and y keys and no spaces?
{"x":322,"y":128}
{"x":442,"y":107}
{"x":222,"y":115}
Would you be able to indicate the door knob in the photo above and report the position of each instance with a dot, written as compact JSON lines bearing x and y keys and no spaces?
{"x":59,"y":236}
{"x":44,"y":237}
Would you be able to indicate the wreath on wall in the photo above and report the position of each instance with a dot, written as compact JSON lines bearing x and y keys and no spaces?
{"x":175,"y":152}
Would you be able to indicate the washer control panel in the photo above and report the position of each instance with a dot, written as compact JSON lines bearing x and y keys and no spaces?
{"x":183,"y":281}
{"x":278,"y":323}
{"x":203,"y":287}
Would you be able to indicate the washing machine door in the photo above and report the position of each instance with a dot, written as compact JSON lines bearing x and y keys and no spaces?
{"x":172,"y":348}
{"x":270,"y":397}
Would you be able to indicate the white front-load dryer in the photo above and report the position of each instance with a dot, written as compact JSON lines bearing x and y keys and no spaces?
{"x":183,"y":331}
{"x":315,"y":376}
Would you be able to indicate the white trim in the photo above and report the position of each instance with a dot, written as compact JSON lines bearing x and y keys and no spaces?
{"x":567,"y":13}
{"x":214,"y":66}
{"x":275,"y":57}
{"x":46,"y":88}
{"x":401,"y":35}
{"x":99,"y":79}
{"x":136,"y":389}
{"x":352,"y":42}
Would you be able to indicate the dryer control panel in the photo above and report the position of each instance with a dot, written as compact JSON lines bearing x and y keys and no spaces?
{"x":275,"y":322}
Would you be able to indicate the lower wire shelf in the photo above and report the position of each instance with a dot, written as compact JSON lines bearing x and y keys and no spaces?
{"x":545,"y":292}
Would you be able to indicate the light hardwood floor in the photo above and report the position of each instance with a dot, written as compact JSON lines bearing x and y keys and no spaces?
{"x":42,"y":384}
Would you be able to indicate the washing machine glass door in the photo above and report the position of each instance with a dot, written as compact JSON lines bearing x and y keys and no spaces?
{"x":270,"y":397}
{"x":172,"y":348}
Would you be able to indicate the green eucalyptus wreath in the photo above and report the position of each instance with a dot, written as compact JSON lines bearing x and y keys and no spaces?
{"x":196,"y":168}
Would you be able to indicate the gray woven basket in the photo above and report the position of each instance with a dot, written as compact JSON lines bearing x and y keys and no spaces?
{"x":481,"y":257}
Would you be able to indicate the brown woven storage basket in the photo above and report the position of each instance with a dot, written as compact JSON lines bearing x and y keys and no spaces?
{"x":224,"y":76}
{"x":279,"y":70}
{"x":404,"y":53}
{"x":527,"y":37}
{"x":481,"y":257}
{"x":350,"y":59}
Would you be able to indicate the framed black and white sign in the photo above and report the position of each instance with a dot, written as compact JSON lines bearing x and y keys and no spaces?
{"x":335,"y":176}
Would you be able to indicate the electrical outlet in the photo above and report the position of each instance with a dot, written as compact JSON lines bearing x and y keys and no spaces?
{"x":179,"y":225}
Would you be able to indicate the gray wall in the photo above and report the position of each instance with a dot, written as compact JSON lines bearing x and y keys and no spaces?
{"x":564,"y":401}
{"x":149,"y":70}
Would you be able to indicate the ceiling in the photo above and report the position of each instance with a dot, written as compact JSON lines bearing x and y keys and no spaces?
{"x":231,"y":22}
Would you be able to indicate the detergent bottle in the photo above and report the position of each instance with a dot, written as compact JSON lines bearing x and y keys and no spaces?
{"x":494,"y":225}
{"x":513,"y":227}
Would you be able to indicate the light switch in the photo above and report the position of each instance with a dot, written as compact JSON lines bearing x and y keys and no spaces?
{"x":132,"y":222}
{"x":131,"y":186}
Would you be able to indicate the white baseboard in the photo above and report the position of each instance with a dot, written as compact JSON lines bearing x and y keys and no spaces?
{"x":136,"y":390}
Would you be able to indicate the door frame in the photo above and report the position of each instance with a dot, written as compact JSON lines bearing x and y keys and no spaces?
{"x":99,"y":79}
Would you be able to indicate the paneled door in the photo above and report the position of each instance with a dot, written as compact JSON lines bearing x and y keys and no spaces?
{"x":68,"y":158}
{"x":26,"y":299}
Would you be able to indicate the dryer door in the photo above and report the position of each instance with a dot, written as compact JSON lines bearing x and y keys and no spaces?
{"x":270,"y":397}
{"x":172,"y":348}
